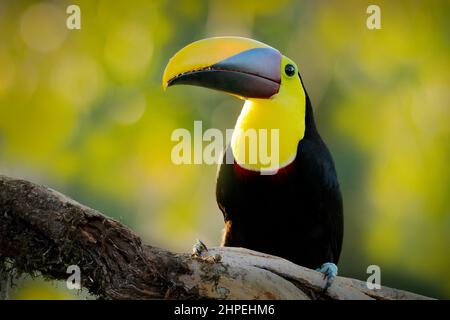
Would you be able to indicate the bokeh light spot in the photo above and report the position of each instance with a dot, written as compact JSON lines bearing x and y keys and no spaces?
{"x":128,"y":51}
{"x":43,"y":27}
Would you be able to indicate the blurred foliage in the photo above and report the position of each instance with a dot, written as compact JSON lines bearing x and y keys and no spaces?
{"x":84,"y":112}
{"x":28,"y":288}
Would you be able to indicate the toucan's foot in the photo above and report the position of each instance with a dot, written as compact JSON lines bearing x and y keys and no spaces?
{"x":330,"y":271}
{"x":199,"y":251}
{"x":198,"y":248}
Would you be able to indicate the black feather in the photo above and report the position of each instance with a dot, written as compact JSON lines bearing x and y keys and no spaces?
{"x":296,"y":214}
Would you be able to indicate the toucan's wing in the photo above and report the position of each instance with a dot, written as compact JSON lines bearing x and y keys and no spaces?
{"x":315,"y":166}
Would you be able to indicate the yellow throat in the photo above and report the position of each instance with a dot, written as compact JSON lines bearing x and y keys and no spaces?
{"x":282,"y":115}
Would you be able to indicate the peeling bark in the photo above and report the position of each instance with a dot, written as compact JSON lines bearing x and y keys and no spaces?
{"x":43,"y":231}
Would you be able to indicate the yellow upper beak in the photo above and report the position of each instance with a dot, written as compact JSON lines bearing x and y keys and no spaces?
{"x":204,"y":53}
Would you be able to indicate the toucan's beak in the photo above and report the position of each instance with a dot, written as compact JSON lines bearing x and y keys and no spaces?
{"x":239,"y":66}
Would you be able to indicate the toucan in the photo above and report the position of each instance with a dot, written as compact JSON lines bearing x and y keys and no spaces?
{"x":293,"y":210}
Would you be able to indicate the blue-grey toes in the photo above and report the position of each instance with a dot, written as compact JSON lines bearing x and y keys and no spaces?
{"x":330,"y":271}
{"x":199,"y":248}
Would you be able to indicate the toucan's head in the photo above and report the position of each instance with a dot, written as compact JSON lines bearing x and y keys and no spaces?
{"x":239,"y":66}
{"x":253,"y":71}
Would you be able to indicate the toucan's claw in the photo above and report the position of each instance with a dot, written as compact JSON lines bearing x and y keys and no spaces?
{"x":330,"y":271}
{"x":198,"y":252}
{"x":198,"y":248}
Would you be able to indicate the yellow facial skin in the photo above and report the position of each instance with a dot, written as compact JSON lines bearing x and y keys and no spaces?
{"x":284,"y":111}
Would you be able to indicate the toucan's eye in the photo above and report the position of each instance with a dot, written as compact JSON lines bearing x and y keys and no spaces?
{"x":289,"y":70}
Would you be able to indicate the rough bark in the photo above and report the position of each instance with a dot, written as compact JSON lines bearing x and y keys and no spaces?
{"x":43,"y":231}
{"x":5,"y":283}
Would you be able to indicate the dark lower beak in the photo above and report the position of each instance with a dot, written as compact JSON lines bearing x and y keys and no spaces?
{"x":253,"y":73}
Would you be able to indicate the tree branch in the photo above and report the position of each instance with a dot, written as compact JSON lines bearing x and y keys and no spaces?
{"x":43,"y":231}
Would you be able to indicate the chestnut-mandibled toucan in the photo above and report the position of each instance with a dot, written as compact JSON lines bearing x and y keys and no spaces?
{"x":295,"y":212}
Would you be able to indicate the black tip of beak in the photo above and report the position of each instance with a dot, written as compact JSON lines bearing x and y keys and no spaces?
{"x":254,"y":73}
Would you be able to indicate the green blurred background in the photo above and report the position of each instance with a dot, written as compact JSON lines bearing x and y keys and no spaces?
{"x":83,"y":111}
